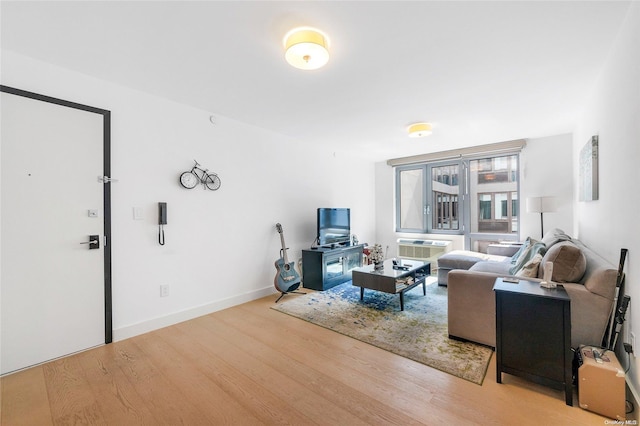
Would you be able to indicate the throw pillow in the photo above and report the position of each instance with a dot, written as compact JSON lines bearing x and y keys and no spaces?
{"x":529,"y":254}
{"x":569,"y":262}
{"x":530,"y":269}
{"x":601,"y":282}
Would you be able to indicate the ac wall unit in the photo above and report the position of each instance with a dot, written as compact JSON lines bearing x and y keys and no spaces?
{"x":425,"y":250}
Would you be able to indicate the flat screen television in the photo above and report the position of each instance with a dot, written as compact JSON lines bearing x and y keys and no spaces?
{"x":334,"y":226}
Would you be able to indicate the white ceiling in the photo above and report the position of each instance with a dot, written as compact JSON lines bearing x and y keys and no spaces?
{"x":481,"y":72}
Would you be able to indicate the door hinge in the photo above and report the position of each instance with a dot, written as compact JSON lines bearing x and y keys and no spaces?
{"x":106,"y":179}
{"x":105,"y":240}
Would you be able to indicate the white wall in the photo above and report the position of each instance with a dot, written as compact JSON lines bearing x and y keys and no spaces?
{"x":611,"y":223}
{"x":220,"y":246}
{"x":545,"y":169}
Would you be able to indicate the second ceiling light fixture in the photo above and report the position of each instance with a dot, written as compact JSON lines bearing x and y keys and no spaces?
{"x":307,"y":48}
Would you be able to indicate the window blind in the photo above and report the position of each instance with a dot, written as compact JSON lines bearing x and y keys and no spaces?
{"x":492,"y":148}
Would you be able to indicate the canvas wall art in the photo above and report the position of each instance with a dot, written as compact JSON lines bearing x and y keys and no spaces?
{"x":589,"y":170}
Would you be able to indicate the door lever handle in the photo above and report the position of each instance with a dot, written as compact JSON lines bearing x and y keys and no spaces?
{"x":94,"y":242}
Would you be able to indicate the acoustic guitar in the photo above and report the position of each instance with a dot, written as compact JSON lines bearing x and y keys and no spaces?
{"x":287,"y":279}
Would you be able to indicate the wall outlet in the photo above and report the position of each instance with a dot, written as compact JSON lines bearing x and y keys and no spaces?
{"x":164,"y":290}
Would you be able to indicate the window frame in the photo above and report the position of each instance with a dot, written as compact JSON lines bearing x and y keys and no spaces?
{"x":398,"y":204}
{"x":429,"y":209}
{"x":464,"y":199}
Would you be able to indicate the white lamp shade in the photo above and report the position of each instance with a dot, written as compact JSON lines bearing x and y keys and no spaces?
{"x":541,"y":204}
{"x":306,"y":48}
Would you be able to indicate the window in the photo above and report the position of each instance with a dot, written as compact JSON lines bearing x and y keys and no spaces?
{"x":444,"y":197}
{"x":410,"y":204}
{"x":426,"y":205}
{"x":496,"y":169}
{"x":477,"y":197}
{"x":495,"y":212}
{"x":494,"y":184}
{"x":484,"y":206}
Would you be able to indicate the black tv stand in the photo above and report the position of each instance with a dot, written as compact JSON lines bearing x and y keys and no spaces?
{"x":326,"y":267}
{"x":333,"y":246}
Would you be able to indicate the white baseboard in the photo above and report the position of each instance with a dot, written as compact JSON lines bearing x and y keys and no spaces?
{"x":191,"y":313}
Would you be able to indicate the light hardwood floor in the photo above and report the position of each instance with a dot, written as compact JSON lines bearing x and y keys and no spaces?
{"x":252,"y":365}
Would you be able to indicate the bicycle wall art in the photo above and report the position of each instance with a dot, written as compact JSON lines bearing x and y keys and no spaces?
{"x":196,"y":175}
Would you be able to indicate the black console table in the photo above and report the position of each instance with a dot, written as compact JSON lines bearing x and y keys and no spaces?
{"x":533,"y":334}
{"x":324,"y":267}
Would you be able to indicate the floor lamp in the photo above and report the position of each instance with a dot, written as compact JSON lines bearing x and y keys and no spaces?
{"x":541,"y":205}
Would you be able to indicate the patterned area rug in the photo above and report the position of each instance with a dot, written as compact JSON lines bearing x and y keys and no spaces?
{"x":419,"y":332}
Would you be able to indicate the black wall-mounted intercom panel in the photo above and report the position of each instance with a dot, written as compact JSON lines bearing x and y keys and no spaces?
{"x":162,"y":213}
{"x":162,"y":220}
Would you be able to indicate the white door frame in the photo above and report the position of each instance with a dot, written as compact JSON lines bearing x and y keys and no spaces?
{"x":106,"y":120}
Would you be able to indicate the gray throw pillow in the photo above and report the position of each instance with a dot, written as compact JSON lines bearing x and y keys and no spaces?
{"x":569,"y":262}
{"x":603,"y":282}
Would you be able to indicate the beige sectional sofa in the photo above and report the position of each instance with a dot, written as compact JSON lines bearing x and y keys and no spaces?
{"x":589,"y":280}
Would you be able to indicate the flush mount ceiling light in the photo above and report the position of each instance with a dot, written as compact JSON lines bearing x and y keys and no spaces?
{"x":306,"y":48}
{"x":418,"y":130}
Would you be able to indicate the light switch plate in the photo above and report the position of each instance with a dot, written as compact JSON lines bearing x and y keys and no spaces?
{"x":138,"y":213}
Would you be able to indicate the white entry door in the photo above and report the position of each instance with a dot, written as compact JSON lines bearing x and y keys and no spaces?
{"x":52,"y":282}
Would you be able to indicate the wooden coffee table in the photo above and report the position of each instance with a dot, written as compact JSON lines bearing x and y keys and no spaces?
{"x":409,"y":274}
